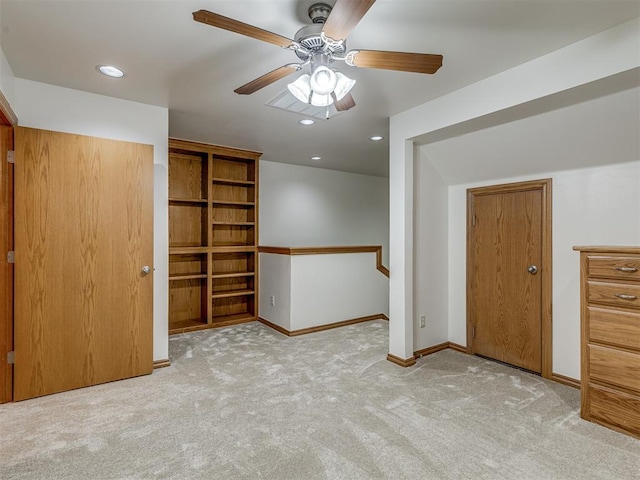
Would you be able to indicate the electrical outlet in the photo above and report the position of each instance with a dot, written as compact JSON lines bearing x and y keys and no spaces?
{"x":272,"y":300}
{"x":423,"y":321}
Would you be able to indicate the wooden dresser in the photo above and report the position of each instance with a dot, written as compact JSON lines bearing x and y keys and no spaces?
{"x":610,"y":337}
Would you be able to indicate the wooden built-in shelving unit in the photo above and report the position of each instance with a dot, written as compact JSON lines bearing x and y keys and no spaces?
{"x":213,"y":233}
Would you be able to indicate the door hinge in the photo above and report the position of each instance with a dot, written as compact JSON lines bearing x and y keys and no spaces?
{"x":11,"y":256}
{"x":10,"y":156}
{"x":11,"y":357}
{"x":473,"y":332}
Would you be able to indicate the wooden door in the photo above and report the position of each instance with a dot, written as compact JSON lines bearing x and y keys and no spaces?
{"x":508,"y":271}
{"x":83,"y":232}
{"x":6,"y":268}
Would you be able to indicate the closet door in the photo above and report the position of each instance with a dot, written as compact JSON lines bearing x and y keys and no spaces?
{"x":83,"y":237}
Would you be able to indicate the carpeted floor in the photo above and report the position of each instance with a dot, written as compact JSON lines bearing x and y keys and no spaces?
{"x":246,"y":402}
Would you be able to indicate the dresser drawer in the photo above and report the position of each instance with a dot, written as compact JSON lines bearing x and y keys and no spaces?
{"x":615,"y":408}
{"x":614,"y":327}
{"x":624,"y":268}
{"x":618,"y":294}
{"x":614,"y":367}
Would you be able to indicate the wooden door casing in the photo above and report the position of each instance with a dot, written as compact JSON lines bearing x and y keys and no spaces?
{"x":83,"y":231}
{"x":508,"y":308}
{"x":6,"y":269}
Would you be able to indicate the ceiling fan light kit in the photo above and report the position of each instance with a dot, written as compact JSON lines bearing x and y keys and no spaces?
{"x":301,"y":88}
{"x":319,"y":46}
{"x":303,"y":92}
{"x":323,"y":80}
{"x":323,"y":85}
{"x":345,"y":84}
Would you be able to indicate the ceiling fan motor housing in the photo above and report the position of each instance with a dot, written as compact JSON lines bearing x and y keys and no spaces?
{"x":310,"y":36}
{"x":319,"y":12}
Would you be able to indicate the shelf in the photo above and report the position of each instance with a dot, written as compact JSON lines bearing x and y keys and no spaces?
{"x":232,"y":293}
{"x":221,"y":247}
{"x":234,"y":159}
{"x":232,"y":275}
{"x":186,"y":249}
{"x":188,"y":200}
{"x":182,"y":326}
{"x":195,"y":276}
{"x":230,"y":181}
{"x":224,"y":320}
{"x":236,"y":224}
{"x":233,"y":203}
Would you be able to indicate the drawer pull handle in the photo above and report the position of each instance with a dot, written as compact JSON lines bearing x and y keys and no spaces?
{"x":624,"y":296}
{"x":627,"y":269}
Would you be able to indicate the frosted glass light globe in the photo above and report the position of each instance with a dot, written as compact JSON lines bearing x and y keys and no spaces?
{"x":300,"y":88}
{"x":323,"y":80}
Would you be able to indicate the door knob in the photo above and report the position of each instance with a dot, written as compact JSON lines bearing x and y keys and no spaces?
{"x":146,"y":270}
{"x":532,"y":269}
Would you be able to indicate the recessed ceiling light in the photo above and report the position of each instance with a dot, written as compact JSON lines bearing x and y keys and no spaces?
{"x":110,"y":71}
{"x":376,"y":138}
{"x":306,"y":122}
{"x":316,"y":158}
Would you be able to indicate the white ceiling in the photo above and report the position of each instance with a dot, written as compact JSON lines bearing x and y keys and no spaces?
{"x":193,"y":69}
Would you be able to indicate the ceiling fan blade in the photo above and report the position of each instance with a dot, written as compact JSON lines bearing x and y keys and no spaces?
{"x":345,"y":103}
{"x":402,"y":61}
{"x":267,"y":79}
{"x":215,"y":20}
{"x":344,"y":16}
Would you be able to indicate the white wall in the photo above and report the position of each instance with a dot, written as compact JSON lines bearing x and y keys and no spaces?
{"x":7,"y":80}
{"x":332,"y":288}
{"x":315,"y":290}
{"x":430,"y":254}
{"x":457,"y":250}
{"x":304,"y":206}
{"x":592,"y":206}
{"x":48,"y":107}
{"x":275,"y":280}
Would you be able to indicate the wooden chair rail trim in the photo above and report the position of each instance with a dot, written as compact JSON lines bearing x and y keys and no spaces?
{"x":607,"y":249}
{"x":320,"y":328}
{"x":377,"y":249}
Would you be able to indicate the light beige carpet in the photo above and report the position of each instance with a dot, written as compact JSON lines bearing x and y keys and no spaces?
{"x":247,"y":402}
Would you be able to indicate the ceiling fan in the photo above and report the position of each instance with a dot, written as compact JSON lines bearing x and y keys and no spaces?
{"x":319,"y":46}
